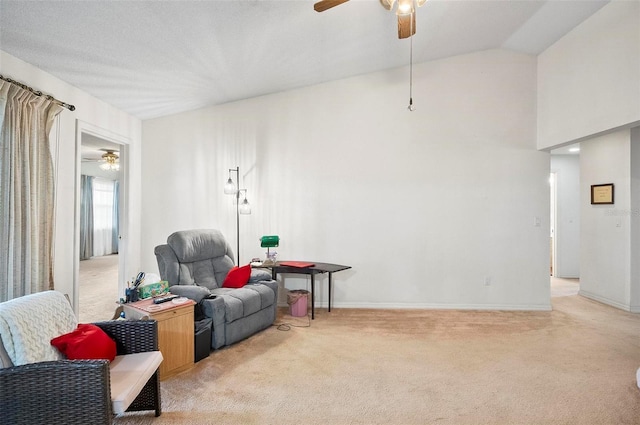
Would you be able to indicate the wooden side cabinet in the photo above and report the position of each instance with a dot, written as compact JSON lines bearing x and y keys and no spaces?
{"x":175,"y":332}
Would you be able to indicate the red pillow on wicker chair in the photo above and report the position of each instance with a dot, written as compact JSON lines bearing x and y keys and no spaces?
{"x":86,"y":342}
{"x":237,"y":277}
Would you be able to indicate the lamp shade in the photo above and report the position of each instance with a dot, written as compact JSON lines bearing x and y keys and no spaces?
{"x":245,"y":207}
{"x":230,"y":187}
{"x":269,"y":241}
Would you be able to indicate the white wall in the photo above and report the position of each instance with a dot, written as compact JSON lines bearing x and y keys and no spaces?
{"x":95,"y":113}
{"x":605,"y":266}
{"x":589,"y":81}
{"x":634,"y":216}
{"x":567,"y":228}
{"x":426,"y":206}
{"x":589,"y":91}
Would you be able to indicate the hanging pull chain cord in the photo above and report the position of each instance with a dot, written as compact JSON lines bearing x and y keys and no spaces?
{"x":411,"y":108}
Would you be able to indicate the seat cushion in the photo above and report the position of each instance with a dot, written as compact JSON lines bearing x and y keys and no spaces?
{"x":242,"y":302}
{"x":129,"y":374}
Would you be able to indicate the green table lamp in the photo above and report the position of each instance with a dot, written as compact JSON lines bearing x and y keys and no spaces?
{"x":270,"y":242}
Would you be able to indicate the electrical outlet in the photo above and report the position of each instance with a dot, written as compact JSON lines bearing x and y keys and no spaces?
{"x":487,"y":281}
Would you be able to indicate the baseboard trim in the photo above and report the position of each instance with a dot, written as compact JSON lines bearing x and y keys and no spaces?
{"x":433,"y":306}
{"x":607,"y":301}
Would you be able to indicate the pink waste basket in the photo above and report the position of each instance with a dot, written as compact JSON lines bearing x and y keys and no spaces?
{"x":297,"y":300}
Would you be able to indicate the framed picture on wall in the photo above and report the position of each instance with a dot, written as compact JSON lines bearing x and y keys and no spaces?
{"x":601,"y":194}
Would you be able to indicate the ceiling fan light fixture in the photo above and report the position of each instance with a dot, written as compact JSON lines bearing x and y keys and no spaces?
{"x":110,"y":167}
{"x":110,"y":161}
{"x":405,"y":7}
{"x":405,"y":12}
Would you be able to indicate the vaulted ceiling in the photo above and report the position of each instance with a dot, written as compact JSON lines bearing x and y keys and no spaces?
{"x":155,"y":58}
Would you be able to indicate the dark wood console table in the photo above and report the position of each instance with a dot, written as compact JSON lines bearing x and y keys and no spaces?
{"x":317,"y":268}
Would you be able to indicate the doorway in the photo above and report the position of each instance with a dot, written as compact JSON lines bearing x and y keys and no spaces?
{"x":552,"y":220}
{"x":101,"y":214}
{"x":564,"y":183}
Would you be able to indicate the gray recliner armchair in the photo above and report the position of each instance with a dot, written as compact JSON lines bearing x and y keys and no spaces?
{"x":195,"y":263}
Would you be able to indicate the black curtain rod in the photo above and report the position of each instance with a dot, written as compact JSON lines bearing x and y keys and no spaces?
{"x":39,"y":93}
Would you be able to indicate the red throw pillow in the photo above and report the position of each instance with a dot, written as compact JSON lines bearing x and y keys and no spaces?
{"x":86,"y":342}
{"x":237,"y":277}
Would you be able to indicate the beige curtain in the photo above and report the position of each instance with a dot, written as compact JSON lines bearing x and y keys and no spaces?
{"x":26,"y":192}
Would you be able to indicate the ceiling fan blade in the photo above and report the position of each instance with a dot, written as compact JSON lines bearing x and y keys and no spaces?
{"x":323,"y":5}
{"x":387,"y":4}
{"x":406,"y":25}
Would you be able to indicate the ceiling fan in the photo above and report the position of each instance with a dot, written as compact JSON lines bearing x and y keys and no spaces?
{"x":109,"y":161}
{"x":406,"y":12}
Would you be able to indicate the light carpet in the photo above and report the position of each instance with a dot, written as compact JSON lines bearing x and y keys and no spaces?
{"x":573,"y":365}
{"x":98,"y":290}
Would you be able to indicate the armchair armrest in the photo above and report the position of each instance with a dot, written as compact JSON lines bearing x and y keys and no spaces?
{"x":273,"y":284}
{"x":64,"y":392}
{"x":259,"y":275}
{"x":132,"y":336}
{"x":194,"y":292}
{"x":137,"y":336}
{"x":214,"y":309}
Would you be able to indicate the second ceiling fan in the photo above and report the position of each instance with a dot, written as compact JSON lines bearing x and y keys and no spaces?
{"x":406,"y":12}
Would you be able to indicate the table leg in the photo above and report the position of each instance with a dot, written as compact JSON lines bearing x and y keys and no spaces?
{"x":329,"y":291}
{"x":313,"y":301}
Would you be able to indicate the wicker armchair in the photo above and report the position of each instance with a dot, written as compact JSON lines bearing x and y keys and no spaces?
{"x":76,"y":391}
